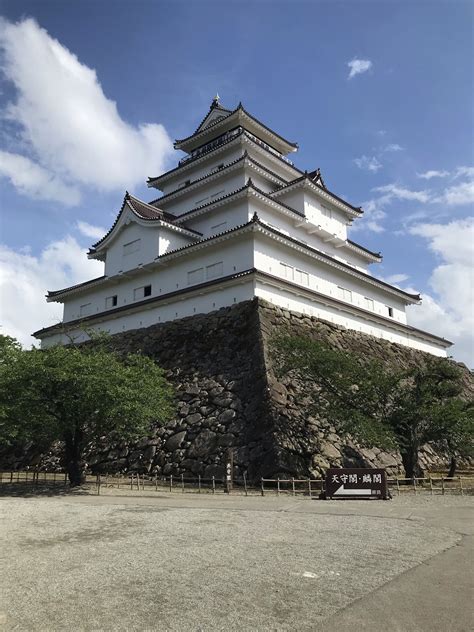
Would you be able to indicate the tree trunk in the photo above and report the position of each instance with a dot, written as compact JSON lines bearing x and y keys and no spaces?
{"x":410,"y":462}
{"x":452,"y":467}
{"x":74,"y":464}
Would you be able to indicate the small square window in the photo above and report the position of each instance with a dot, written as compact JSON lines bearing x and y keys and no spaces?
{"x":390,"y":311}
{"x":111,"y":301}
{"x":147,"y":290}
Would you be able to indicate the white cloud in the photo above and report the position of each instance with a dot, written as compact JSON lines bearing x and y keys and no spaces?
{"x":24,"y":280}
{"x":464,"y":171}
{"x":88,"y":230}
{"x":372,"y":218}
{"x":450,"y":312}
{"x":392,"y":147}
{"x":358,"y":66}
{"x":394,"y":191}
{"x":457,"y":195}
{"x":71,"y":131}
{"x":374,"y":209}
{"x":396,"y":278}
{"x":368,"y":163}
{"x":34,"y":181}
{"x":427,"y":175}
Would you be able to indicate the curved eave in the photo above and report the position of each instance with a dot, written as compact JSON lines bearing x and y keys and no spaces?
{"x":177,"y":172}
{"x":248,"y":189}
{"x":156,"y":217}
{"x":243,"y":161}
{"x":236,"y":117}
{"x":305,"y":182}
{"x":53,"y":296}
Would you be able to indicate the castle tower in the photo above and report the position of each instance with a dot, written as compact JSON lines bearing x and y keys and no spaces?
{"x":235,"y":220}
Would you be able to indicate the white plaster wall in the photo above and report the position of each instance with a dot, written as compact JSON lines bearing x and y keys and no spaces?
{"x":196,"y":171}
{"x":211,"y":300}
{"x":233,"y":213}
{"x":116,"y":260}
{"x":287,"y":225}
{"x":236,"y":256}
{"x":304,"y":305}
{"x":205,"y":193}
{"x":324,"y":278}
{"x":154,"y":240}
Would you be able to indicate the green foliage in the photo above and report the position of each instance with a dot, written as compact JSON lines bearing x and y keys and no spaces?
{"x":79,"y":394}
{"x":387,"y":408}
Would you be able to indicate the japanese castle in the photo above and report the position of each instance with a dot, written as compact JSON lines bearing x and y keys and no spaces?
{"x":235,"y":220}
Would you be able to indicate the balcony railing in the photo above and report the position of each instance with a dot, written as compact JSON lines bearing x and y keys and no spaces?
{"x":221,"y":140}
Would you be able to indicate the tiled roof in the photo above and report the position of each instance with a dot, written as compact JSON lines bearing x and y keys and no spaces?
{"x":242,"y":158}
{"x":249,"y":185}
{"x":144,"y":211}
{"x":241,"y":108}
{"x":305,"y":177}
{"x":377,"y":255}
{"x":215,"y":105}
{"x":53,"y":293}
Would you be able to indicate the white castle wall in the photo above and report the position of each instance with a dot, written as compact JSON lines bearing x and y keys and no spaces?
{"x":236,"y":256}
{"x":210,"y":300}
{"x":311,"y":307}
{"x":269,"y":256}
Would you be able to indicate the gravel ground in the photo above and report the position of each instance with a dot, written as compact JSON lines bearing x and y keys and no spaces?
{"x":203,"y":564}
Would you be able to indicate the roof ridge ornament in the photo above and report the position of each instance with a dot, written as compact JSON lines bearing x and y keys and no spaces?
{"x":215,"y":101}
{"x":249,"y":183}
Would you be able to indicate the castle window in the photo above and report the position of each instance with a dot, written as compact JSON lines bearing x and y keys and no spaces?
{"x":287,"y":271}
{"x":368,"y":303}
{"x":390,"y":311}
{"x":345,"y":294}
{"x":326,"y":212}
{"x":132,"y":246}
{"x":141,"y":292}
{"x":214,"y":270}
{"x":195,"y":276}
{"x":110,"y":301}
{"x":301,"y":277}
{"x":85,"y":309}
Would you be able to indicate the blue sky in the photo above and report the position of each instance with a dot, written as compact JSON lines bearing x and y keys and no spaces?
{"x":396,"y":136}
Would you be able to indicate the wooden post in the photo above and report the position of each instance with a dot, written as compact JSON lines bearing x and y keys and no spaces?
{"x":263,"y":490}
{"x":131,"y":481}
{"x":11,"y":477}
{"x":171,"y":482}
{"x":156,"y":482}
{"x":199,"y":483}
{"x":278,"y":486}
{"x":309,"y":487}
{"x":293,"y":485}
{"x":54,"y":477}
{"x":213,"y":485}
{"x":442,"y":485}
{"x":460,"y":486}
{"x":245,"y":483}
{"x":98,"y":484}
{"x":182,"y":483}
{"x":431,"y":485}
{"x":398,"y":487}
{"x":414,"y":484}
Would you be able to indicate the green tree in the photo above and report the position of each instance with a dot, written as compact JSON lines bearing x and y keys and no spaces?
{"x":401,"y":409}
{"x":78,"y":395}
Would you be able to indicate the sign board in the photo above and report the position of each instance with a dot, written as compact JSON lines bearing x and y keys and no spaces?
{"x":356,"y":483}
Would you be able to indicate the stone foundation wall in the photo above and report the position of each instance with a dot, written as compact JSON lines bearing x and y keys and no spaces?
{"x":228,"y":397}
